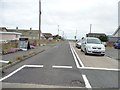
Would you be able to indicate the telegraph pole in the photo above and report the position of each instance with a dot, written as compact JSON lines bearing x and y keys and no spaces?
{"x":90,"y":27}
{"x":39,"y":20}
{"x":58,"y":30}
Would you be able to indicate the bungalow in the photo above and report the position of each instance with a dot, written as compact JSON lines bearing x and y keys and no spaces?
{"x":8,"y":36}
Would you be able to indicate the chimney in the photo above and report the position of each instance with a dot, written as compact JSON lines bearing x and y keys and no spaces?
{"x":17,"y":28}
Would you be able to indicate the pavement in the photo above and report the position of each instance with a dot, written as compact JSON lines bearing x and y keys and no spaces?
{"x":64,"y":66}
{"x":12,"y":56}
{"x":96,"y":60}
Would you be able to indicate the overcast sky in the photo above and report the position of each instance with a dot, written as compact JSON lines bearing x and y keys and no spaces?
{"x":70,"y":15}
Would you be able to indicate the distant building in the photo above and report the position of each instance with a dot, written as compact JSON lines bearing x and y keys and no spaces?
{"x":95,"y":34}
{"x":48,"y":35}
{"x":3,"y":29}
{"x":117,"y":32}
{"x":29,"y":33}
{"x":8,"y":36}
{"x":116,"y":35}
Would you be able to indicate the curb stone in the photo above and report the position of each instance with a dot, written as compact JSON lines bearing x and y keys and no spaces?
{"x":18,"y":61}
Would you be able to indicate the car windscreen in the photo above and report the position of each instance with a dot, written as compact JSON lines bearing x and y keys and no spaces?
{"x":94,"y":41}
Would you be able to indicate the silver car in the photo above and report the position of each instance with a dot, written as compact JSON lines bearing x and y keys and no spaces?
{"x":91,"y":45}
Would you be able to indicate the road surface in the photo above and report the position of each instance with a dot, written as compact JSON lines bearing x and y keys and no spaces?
{"x":62,"y":66}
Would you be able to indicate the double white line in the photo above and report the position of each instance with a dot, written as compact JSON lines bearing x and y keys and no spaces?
{"x":80,"y":65}
{"x":76,"y":58}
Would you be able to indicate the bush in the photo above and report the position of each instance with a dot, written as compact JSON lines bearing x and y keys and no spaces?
{"x":19,"y":58}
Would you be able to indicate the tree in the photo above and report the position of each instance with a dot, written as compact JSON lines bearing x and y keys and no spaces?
{"x":103,"y":38}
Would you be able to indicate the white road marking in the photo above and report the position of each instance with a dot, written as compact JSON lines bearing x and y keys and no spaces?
{"x":77,"y":64}
{"x":34,"y":66}
{"x":61,"y":66}
{"x":81,"y":63}
{"x":95,"y":68}
{"x":9,"y":75}
{"x":3,"y":61}
{"x":87,"y":84}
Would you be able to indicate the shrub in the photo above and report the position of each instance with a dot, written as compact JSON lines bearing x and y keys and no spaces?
{"x":19,"y":58}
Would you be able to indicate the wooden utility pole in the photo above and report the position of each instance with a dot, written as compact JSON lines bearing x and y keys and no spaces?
{"x":39,"y":20}
{"x":90,"y":27}
{"x":58,"y":30}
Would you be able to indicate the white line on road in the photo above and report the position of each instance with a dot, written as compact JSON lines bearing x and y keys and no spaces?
{"x":34,"y":66}
{"x":3,"y":61}
{"x":95,"y":68}
{"x":78,"y":58}
{"x":12,"y":73}
{"x":62,"y":66}
{"x":77,"y":64}
{"x":9,"y":75}
{"x":87,"y":84}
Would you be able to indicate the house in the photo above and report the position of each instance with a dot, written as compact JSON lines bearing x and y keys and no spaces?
{"x":117,"y":32}
{"x":95,"y":34}
{"x":28,"y":33}
{"x":48,"y":36}
{"x":8,"y":36}
{"x":115,"y":36}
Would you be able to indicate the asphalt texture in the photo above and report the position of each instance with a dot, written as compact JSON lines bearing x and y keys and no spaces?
{"x":60,"y":55}
{"x":113,"y":53}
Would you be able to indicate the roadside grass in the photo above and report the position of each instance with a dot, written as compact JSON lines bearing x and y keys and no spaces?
{"x":6,"y":46}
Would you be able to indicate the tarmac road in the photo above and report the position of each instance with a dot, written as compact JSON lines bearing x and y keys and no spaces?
{"x":60,"y":66}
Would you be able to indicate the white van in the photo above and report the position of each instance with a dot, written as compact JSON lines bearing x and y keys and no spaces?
{"x":91,"y":45}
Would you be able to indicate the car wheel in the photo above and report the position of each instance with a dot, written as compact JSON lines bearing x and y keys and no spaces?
{"x":81,"y":50}
{"x":102,"y":54}
{"x":86,"y":52}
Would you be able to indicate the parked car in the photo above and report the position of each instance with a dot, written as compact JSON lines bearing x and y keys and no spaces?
{"x":91,"y":45}
{"x":117,"y":44}
{"x":78,"y":44}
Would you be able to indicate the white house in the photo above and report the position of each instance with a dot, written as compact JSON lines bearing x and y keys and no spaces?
{"x":8,"y":36}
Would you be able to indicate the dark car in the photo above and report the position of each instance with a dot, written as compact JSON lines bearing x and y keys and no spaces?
{"x":117,"y":44}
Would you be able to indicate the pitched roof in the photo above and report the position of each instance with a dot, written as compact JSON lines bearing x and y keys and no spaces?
{"x":118,"y":30}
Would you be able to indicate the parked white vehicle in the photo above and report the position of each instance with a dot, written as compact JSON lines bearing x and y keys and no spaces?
{"x":78,"y":44}
{"x":91,"y":45}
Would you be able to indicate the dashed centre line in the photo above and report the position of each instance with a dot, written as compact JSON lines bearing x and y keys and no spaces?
{"x":70,"y":67}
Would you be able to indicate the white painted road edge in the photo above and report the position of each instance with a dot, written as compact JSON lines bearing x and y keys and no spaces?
{"x":62,"y":66}
{"x":9,"y":75}
{"x":87,"y":84}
